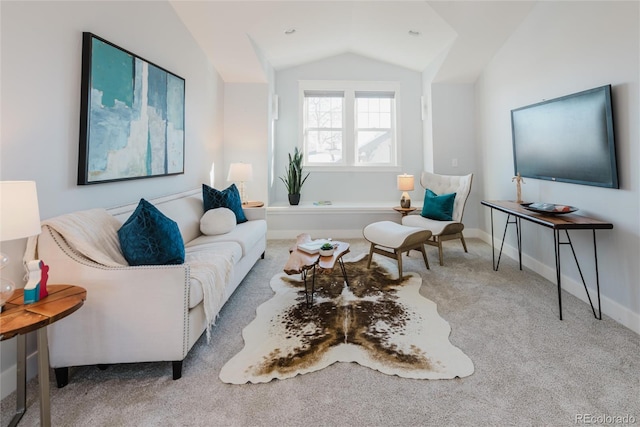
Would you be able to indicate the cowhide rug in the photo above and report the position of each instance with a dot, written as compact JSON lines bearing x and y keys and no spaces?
{"x":378,"y":321}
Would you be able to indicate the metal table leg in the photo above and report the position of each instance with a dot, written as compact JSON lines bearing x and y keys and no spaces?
{"x":557,"y":243}
{"x":43,"y":378}
{"x":556,"y":248}
{"x":21,"y":386}
{"x":309,"y":295}
{"x":344,"y":271}
{"x":516,"y":222}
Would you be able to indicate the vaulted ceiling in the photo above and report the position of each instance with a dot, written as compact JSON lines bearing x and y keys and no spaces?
{"x":459,"y":36}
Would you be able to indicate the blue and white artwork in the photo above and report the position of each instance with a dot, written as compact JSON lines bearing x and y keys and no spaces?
{"x":134,"y":120}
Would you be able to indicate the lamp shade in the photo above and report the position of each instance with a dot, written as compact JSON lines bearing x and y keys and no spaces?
{"x":19,"y":212}
{"x":240,"y":172}
{"x":405,"y":182}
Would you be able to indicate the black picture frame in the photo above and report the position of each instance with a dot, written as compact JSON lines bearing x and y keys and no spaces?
{"x":132,"y":116}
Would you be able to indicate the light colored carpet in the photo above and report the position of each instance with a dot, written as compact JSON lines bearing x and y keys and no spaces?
{"x":530,"y":367}
{"x":378,"y":321}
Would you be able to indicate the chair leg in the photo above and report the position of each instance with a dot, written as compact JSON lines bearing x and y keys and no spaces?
{"x":424,"y":255}
{"x":440,"y":255}
{"x":464,"y":244}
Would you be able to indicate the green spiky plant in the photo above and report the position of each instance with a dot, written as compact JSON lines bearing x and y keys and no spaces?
{"x":293,"y":179}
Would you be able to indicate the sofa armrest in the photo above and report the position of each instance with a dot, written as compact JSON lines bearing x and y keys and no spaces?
{"x":131,"y":314}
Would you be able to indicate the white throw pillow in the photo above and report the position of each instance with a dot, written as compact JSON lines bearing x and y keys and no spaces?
{"x":217,"y":221}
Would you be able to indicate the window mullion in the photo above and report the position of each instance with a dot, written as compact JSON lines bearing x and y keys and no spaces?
{"x":349,"y":135}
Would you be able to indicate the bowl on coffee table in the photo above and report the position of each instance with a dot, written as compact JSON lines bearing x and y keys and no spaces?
{"x":326,"y":249}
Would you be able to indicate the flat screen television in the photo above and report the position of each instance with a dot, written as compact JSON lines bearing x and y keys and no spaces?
{"x":567,"y":139}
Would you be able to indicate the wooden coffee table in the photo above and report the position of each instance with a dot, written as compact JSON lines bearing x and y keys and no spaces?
{"x":302,"y":263}
{"x":17,"y":319}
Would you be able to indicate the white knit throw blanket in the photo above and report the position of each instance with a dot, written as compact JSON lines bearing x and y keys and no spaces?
{"x":212,"y":268}
{"x":94,"y":234}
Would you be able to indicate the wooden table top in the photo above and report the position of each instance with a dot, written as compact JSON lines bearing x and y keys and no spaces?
{"x":300,"y":260}
{"x":18,"y":318}
{"x":561,"y":222}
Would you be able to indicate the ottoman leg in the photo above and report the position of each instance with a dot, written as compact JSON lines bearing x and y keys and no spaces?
{"x":424,"y":256}
{"x":399,"y":257}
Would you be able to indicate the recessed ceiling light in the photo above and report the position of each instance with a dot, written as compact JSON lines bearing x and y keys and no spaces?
{"x":414,"y":33}
{"x":290,"y":31}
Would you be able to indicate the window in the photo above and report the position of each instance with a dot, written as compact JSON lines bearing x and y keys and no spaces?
{"x":349,"y":124}
{"x":373,"y":128}
{"x":323,"y":117}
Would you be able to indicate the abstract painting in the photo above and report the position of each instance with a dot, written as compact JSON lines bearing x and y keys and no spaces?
{"x":131,"y":116}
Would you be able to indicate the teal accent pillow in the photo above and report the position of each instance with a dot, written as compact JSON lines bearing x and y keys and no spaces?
{"x":228,"y":198}
{"x":438,"y":207}
{"x":149,"y":237}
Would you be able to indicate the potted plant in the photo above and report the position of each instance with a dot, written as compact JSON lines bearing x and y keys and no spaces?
{"x":293,"y":179}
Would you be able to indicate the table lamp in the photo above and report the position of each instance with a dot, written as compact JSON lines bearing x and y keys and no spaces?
{"x":19,"y":218}
{"x":405,"y":183}
{"x":240,"y":172}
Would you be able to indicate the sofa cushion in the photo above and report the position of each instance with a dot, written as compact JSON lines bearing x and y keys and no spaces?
{"x":247,"y":235}
{"x":227,"y":198}
{"x":436,"y":227}
{"x":217,"y":221}
{"x":438,"y":207}
{"x":149,"y":237}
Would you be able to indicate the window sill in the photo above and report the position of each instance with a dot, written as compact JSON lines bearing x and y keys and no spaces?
{"x":367,"y":169}
{"x":304,"y":208}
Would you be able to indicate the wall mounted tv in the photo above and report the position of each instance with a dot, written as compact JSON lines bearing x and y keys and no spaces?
{"x":568,"y":139}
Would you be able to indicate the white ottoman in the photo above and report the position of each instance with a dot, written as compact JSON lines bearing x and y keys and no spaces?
{"x":390,"y":239}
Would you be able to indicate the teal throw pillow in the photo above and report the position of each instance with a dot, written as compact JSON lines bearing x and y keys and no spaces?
{"x":228,"y":198}
{"x":438,"y":207}
{"x":149,"y":237}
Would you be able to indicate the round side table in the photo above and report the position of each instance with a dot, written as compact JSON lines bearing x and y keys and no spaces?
{"x":18,"y":318}
{"x":404,"y":211}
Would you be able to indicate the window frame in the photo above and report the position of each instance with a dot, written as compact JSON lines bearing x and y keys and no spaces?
{"x":349,"y":122}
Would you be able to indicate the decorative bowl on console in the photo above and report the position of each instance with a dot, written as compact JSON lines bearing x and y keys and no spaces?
{"x":549,"y":208}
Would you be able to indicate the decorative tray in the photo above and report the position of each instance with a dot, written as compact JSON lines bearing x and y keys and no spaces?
{"x":549,"y":208}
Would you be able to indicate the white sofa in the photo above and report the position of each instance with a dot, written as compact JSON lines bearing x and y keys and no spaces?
{"x":143,"y":313}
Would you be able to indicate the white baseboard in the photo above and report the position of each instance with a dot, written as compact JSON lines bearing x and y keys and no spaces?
{"x":315,"y":234}
{"x":8,"y":377}
{"x":611,"y":308}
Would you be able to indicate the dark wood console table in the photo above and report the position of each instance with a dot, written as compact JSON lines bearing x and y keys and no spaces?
{"x":557,"y":223}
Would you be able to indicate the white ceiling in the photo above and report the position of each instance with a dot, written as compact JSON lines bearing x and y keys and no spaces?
{"x":238,"y":36}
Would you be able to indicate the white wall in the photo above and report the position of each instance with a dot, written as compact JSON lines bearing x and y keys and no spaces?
{"x":246,"y":134}
{"x":563,"y":48}
{"x":348,"y":186}
{"x":454,"y":138}
{"x":40,"y":78}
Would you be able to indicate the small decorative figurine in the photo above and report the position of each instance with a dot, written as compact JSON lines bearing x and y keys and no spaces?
{"x":518,"y":179}
{"x":32,"y":288}
{"x":37,"y":276}
{"x":44,"y":276}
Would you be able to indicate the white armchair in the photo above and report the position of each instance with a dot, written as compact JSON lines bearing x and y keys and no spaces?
{"x":444,"y":230}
